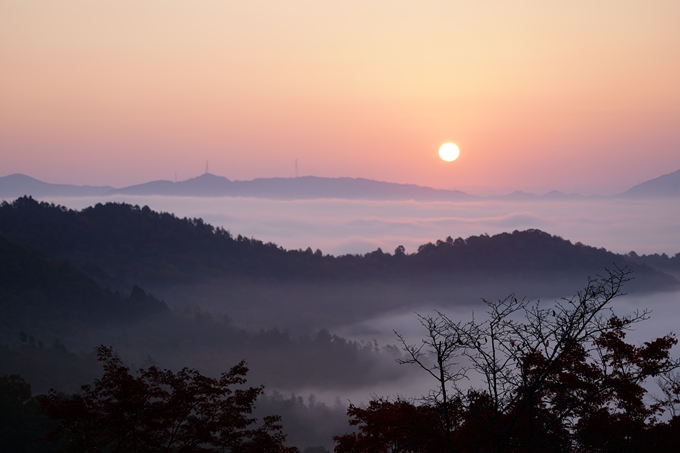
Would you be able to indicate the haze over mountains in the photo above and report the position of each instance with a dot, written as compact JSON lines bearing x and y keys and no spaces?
{"x":302,"y":188}
{"x":180,"y":292}
{"x":187,"y":262}
{"x":667,"y":185}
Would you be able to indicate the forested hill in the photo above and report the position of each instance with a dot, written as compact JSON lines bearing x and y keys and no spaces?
{"x":55,"y":298}
{"x":124,"y":244}
{"x":47,"y":305}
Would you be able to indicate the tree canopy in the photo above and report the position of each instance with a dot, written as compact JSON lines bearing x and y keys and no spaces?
{"x":158,"y":410}
{"x":121,"y":243}
{"x":557,"y":378}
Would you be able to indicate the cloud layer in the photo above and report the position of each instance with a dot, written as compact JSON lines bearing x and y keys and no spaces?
{"x":349,"y":226}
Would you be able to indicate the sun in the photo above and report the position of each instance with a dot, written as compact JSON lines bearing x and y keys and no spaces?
{"x":449,"y":152}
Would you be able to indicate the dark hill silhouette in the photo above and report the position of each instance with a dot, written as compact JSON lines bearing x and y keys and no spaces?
{"x":38,"y":293}
{"x":194,"y":266}
{"x":664,"y":186}
{"x":302,"y":188}
{"x":209,"y":185}
{"x":16,"y":185}
{"x":662,"y":262}
{"x":46,"y":304}
{"x":306,"y":187}
{"x":126,"y":243}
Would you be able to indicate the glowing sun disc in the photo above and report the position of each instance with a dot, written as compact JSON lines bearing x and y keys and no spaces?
{"x":449,"y":152}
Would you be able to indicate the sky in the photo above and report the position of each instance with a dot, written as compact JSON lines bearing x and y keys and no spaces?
{"x":579,"y":96}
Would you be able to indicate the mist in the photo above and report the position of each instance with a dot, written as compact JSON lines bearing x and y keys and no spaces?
{"x":662,"y":319}
{"x":414,"y":383}
{"x":354,"y":226}
{"x":320,"y":344}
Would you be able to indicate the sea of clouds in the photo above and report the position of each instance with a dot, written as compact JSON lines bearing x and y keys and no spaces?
{"x":352,"y":226}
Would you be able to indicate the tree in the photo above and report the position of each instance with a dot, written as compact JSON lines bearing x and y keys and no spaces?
{"x":21,"y":418}
{"x":554,"y":378}
{"x":162,"y":411}
{"x":392,"y":426}
{"x":444,"y":344}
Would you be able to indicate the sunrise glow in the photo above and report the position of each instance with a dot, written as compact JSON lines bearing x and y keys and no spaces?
{"x":322,"y":187}
{"x":449,"y":152}
{"x":126,"y":92}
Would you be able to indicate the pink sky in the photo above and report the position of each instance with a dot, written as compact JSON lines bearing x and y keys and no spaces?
{"x":581,"y":96}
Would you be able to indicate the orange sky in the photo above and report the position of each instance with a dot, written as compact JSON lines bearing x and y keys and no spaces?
{"x":582,"y":96}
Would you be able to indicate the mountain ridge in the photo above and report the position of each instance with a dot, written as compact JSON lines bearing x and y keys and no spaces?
{"x":667,"y":185}
{"x":309,"y":187}
{"x":190,"y":263}
{"x":304,"y":187}
{"x":118,"y":237}
{"x":17,"y":184}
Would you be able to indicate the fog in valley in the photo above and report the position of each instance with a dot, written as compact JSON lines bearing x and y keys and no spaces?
{"x":355,"y":226}
{"x":319,"y":344}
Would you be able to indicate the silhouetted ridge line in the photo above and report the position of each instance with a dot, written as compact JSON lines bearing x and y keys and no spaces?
{"x":664,"y":186}
{"x":209,"y":185}
{"x":16,"y":185}
{"x":38,"y":293}
{"x":220,"y":284}
{"x":305,"y":188}
{"x":120,"y":244}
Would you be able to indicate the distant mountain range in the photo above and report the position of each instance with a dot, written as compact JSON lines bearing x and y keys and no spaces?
{"x":306,"y":187}
{"x":663,"y":186}
{"x":122,"y":245}
{"x":17,"y":185}
{"x":65,"y":279}
{"x":301,"y":188}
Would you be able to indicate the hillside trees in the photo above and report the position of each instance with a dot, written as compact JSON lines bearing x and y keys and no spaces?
{"x":162,"y":411}
{"x":391,"y":427}
{"x":120,"y":245}
{"x":21,"y":418}
{"x":547,"y":378}
{"x":56,"y":299}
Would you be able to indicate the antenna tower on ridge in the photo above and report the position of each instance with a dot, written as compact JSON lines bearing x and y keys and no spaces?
{"x":296,"y":171}
{"x":206,"y":167}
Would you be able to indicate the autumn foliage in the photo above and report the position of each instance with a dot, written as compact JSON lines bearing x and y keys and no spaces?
{"x":392,"y":426}
{"x":554,"y":379}
{"x":162,"y":411}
